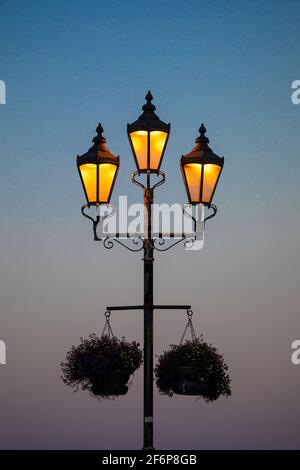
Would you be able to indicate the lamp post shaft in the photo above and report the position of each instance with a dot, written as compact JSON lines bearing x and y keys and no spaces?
{"x":148,"y":320}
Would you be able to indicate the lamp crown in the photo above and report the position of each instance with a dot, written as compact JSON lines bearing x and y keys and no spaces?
{"x":202,"y":137}
{"x":99,"y":138}
{"x":148,"y":108}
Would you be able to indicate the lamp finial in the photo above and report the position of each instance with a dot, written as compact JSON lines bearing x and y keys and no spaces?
{"x":99,"y":138}
{"x":202,"y":137}
{"x":149,"y":107}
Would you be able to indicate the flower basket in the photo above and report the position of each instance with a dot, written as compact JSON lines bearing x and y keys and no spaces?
{"x":102,"y":365}
{"x":193,"y":368}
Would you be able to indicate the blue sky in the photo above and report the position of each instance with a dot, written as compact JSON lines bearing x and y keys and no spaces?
{"x":70,"y":64}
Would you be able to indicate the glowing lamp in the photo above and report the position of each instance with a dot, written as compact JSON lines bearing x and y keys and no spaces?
{"x":148,"y":137}
{"x":201,"y":170}
{"x":98,"y":169}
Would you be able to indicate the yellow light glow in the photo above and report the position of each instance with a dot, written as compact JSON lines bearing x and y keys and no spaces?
{"x":89,"y":176}
{"x":193,"y":178}
{"x":210,"y":177}
{"x":157,"y":144}
{"x":139,"y":140}
{"x":107,"y":173}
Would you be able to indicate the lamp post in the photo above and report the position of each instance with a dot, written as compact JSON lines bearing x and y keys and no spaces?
{"x":98,"y":169}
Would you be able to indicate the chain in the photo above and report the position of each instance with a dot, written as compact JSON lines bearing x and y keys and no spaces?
{"x":189,"y":326}
{"x":107,"y":330}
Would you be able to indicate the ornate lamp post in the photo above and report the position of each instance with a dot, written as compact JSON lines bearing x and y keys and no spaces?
{"x":98,"y":169}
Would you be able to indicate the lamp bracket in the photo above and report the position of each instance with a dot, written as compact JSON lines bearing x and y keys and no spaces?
{"x":134,"y":180}
{"x":148,"y":187}
{"x":135,"y":242}
{"x":138,"y":243}
{"x":215,"y":209}
{"x":98,"y":220}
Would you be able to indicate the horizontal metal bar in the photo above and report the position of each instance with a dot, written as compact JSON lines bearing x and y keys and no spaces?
{"x":122,"y":235}
{"x":172,"y":307}
{"x":142,"y":235}
{"x":167,"y":235}
{"x":125,"y":307}
{"x":143,"y":307}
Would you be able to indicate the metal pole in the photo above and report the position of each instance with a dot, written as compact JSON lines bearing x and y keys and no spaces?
{"x":148,"y":319}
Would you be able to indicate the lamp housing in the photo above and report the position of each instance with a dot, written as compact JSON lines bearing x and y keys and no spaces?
{"x":148,"y":137}
{"x":201,"y":169}
{"x":98,"y":169}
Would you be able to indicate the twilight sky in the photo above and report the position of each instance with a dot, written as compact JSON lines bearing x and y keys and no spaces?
{"x":70,"y":64}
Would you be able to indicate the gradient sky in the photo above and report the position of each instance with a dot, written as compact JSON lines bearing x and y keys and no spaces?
{"x":70,"y":64}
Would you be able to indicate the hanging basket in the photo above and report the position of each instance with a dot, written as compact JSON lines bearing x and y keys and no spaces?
{"x":102,"y":365}
{"x":192,"y":368}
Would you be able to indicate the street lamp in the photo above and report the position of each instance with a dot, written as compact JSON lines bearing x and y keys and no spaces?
{"x":201,"y":169}
{"x":98,"y":168}
{"x":148,"y":137}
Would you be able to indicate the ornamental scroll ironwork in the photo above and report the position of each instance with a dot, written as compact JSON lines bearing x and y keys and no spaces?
{"x":135,"y":242}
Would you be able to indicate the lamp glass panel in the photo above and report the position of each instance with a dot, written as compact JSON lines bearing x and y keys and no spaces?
{"x":157,"y":144}
{"x":139,"y":140}
{"x":193,"y":178}
{"x":210,"y":177}
{"x":107,"y":173}
{"x":89,"y":177}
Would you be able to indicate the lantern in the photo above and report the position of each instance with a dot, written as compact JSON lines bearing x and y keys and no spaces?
{"x":201,"y":170}
{"x":148,"y":137}
{"x":98,"y":169}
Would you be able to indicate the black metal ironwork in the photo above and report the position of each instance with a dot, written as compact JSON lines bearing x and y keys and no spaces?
{"x":187,"y":214}
{"x":141,"y":185}
{"x":189,"y":326}
{"x":148,"y":318}
{"x":98,"y":218}
{"x":109,"y":243}
{"x":94,"y":221}
{"x":161,"y":181}
{"x":148,"y":121}
{"x":107,"y":330}
{"x":143,"y":307}
{"x":215,"y":209}
{"x":162,"y":241}
{"x":148,"y":244}
{"x":189,"y":242}
{"x":134,"y":180}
